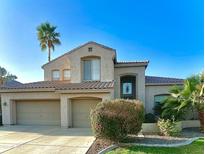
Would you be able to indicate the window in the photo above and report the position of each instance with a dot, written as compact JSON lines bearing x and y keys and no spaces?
{"x":157,"y":103}
{"x":66,"y":74}
{"x":91,"y":69}
{"x":128,"y":87}
{"x":90,"y":49}
{"x":56,"y":75}
{"x":160,"y":98}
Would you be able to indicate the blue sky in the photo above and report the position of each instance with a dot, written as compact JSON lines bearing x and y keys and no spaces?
{"x":167,"y":33}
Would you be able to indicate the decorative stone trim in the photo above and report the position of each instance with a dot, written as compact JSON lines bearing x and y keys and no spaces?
{"x":189,"y":141}
{"x":112,"y":147}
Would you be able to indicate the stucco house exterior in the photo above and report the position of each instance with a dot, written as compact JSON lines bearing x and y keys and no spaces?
{"x":75,"y":82}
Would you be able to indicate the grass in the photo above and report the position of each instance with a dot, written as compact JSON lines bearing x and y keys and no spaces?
{"x":197,"y":147}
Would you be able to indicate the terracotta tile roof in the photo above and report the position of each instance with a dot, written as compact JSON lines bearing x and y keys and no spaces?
{"x":63,"y":85}
{"x":86,"y":85}
{"x":11,"y":83}
{"x":154,"y":80}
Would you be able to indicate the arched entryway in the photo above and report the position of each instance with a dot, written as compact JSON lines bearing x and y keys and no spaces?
{"x":128,"y":87}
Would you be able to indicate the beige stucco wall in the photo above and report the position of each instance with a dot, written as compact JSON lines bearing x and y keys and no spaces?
{"x":72,"y":61}
{"x":59,"y":64}
{"x":151,"y":91}
{"x":139,"y":72}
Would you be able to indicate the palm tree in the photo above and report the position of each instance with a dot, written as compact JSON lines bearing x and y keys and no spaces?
{"x":48,"y":37}
{"x":181,"y":99}
{"x":5,"y":76}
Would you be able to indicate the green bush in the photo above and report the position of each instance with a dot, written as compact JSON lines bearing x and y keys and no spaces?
{"x":115,"y":119}
{"x":150,"y":118}
{"x":170,"y":109}
{"x":168,"y":127}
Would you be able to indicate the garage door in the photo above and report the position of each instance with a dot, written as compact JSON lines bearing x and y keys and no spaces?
{"x":81,"y":112}
{"x":38,"y":112}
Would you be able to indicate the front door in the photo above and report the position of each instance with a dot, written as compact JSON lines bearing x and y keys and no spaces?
{"x":128,"y":87}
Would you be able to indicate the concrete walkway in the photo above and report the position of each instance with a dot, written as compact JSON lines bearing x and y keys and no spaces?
{"x":44,"y":139}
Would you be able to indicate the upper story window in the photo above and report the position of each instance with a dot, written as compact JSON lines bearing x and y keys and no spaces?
{"x":91,"y":69}
{"x":55,"y":75}
{"x":66,"y":74}
{"x":90,"y":49}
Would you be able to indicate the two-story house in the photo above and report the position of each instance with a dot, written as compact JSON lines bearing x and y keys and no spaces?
{"x":75,"y":82}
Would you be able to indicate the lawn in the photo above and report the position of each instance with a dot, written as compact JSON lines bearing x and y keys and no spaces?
{"x":196,"y":147}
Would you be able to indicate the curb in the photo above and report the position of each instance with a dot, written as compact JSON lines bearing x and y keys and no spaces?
{"x":112,"y":147}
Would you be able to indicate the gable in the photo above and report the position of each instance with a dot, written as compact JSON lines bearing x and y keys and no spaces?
{"x":83,"y":49}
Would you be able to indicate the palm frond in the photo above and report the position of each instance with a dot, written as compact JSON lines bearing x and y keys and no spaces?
{"x":47,"y":36}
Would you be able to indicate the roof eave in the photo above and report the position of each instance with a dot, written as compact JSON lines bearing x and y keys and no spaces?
{"x":131,"y":65}
{"x":12,"y":90}
{"x":162,"y":84}
{"x":84,"y":91}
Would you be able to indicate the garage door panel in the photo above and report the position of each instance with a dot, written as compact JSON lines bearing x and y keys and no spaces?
{"x":81,"y":112}
{"x":38,"y":112}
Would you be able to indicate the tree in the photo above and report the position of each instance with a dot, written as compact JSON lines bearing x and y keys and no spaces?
{"x":48,"y":37}
{"x":182,"y":99}
{"x":5,"y":76}
{"x":198,"y":94}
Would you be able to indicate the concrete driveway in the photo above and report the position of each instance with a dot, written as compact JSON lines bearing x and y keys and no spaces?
{"x":44,"y":139}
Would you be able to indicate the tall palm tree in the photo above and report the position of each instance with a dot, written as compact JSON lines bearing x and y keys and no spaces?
{"x":48,"y":37}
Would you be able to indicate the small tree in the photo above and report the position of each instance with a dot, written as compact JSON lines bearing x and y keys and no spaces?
{"x":115,"y":119}
{"x":5,"y":76}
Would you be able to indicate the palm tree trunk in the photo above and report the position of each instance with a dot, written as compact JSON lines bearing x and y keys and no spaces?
{"x":49,"y":54}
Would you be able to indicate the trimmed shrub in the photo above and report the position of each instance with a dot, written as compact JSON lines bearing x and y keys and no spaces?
{"x":168,"y":127}
{"x":115,"y":119}
{"x":150,"y":118}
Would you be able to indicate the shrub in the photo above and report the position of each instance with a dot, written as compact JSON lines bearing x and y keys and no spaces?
{"x":115,"y":119}
{"x":168,"y":127}
{"x":170,"y":109}
{"x":150,"y":118}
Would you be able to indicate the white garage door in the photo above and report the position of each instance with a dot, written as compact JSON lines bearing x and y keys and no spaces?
{"x":81,"y":112}
{"x":38,"y":112}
